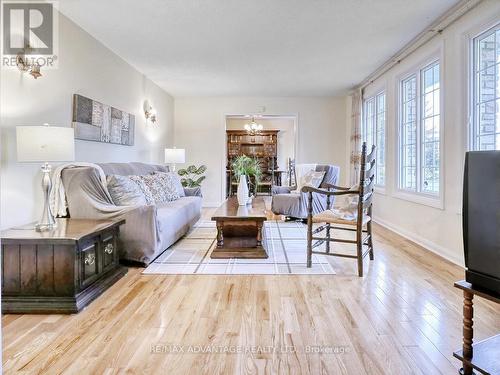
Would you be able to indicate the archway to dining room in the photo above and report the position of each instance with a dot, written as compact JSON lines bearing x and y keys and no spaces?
{"x":269,"y":142}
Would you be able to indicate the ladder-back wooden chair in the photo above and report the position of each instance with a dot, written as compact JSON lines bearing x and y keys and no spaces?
{"x":358,"y":220}
{"x":269,"y":178}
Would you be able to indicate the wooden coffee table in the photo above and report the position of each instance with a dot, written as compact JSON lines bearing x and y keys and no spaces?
{"x":240,"y":231}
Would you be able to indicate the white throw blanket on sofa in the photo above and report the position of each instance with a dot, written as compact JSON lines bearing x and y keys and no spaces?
{"x":58,"y":203}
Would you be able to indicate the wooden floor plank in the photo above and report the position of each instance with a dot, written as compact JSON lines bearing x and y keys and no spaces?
{"x":403,"y":317}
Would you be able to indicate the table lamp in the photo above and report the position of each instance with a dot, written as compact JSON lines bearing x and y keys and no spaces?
{"x":45,"y":144}
{"x":175,"y":155}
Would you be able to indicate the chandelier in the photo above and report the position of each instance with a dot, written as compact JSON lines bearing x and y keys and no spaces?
{"x":253,"y":128}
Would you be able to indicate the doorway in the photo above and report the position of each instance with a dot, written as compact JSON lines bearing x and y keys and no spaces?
{"x":271,"y":140}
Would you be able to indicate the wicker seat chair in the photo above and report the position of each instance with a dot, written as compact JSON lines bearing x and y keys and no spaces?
{"x":358,"y":220}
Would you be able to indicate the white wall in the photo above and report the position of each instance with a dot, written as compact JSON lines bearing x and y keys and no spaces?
{"x":85,"y":67}
{"x":200,"y":129}
{"x":286,"y":135}
{"x":440,"y":230}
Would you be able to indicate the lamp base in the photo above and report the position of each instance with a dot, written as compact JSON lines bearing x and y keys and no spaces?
{"x":47,"y":221}
{"x":45,"y":227}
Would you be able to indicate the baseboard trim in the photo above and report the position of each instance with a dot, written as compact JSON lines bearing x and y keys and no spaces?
{"x":419,"y":240}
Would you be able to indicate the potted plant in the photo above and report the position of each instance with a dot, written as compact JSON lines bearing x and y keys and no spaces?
{"x":192,"y":176}
{"x":246,"y":169}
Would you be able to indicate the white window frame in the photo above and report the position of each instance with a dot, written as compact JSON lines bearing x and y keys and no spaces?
{"x":473,"y":88}
{"x":420,"y":197}
{"x":382,"y":91}
{"x":364,"y":130}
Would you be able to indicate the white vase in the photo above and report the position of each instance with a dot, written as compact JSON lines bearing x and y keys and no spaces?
{"x":242,"y":211}
{"x":242,"y":192}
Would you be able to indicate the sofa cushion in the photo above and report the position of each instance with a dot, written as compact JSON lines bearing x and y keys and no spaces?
{"x":172,"y":179}
{"x":289,"y":203}
{"x":175,"y":218}
{"x":124,"y":191}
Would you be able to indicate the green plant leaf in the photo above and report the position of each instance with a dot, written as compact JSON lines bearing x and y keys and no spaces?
{"x":190,"y":173}
{"x":244,"y":165}
{"x":199,"y":180}
{"x":202,"y":169}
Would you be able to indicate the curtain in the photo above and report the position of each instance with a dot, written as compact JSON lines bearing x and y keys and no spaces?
{"x":357,"y":102}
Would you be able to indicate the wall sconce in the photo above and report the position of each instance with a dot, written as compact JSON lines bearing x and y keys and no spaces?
{"x":150,"y":112}
{"x":25,"y":66}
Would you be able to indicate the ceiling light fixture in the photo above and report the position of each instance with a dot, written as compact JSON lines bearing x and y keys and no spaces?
{"x":253,"y":128}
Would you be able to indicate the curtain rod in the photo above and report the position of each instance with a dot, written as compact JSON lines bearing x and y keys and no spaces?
{"x":436,"y":28}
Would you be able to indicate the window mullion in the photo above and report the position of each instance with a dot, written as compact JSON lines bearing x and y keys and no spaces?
{"x":475,"y":119}
{"x":400,"y":134}
{"x":484,"y":76}
{"x":477,"y":100}
{"x":495,"y":101}
{"x":375,"y":124}
{"x":419,"y":144}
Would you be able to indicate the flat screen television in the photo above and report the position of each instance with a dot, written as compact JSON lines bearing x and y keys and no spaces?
{"x":481,"y":219}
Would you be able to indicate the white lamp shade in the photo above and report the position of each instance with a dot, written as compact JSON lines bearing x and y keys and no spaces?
{"x":175,"y":155}
{"x":45,"y":143}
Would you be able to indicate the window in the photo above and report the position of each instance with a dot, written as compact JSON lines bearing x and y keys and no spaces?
{"x":374,"y":132}
{"x":419,"y":131}
{"x":486,"y":91}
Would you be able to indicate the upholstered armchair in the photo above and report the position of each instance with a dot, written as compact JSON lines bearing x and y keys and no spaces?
{"x":293,"y":204}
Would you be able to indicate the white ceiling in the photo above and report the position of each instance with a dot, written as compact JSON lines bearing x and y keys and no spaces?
{"x":255,"y":47}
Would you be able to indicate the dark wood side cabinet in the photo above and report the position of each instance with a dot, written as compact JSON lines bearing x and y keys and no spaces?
{"x":59,"y":271}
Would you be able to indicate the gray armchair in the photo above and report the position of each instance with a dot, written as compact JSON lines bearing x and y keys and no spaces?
{"x":294,"y":204}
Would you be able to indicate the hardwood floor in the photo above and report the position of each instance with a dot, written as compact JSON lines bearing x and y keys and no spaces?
{"x":403,"y":317}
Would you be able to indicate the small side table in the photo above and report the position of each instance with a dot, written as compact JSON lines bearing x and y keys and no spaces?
{"x":483,"y":356}
{"x":59,"y":271}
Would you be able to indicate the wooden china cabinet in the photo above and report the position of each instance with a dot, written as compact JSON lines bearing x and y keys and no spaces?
{"x":263,"y":146}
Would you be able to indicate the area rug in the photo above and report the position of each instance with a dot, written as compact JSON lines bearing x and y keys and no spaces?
{"x":285,"y":245}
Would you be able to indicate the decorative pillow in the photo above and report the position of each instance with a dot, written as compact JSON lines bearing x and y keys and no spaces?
{"x":349,"y":208}
{"x":352,"y":203}
{"x":138,"y":180}
{"x":311,"y":178}
{"x":124,"y":191}
{"x":156,"y":189}
{"x":172,"y":178}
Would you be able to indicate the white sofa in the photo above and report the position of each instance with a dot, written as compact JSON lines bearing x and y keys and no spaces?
{"x":150,"y":229}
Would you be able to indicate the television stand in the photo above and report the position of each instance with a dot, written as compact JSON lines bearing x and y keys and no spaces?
{"x":483,"y":356}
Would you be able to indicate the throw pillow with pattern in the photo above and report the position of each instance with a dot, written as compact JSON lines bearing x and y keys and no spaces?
{"x":144,"y":188}
{"x":161,"y":190}
{"x":124,"y":191}
{"x":172,"y":179}
{"x":311,"y":178}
